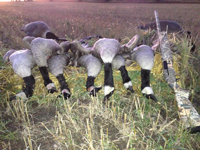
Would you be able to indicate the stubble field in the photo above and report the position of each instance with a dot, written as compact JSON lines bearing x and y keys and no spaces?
{"x":130,"y":121}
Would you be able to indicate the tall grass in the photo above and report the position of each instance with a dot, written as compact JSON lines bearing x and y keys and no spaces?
{"x":128,"y":121}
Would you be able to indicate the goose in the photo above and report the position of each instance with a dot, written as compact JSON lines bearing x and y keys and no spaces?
{"x":43,"y":50}
{"x":24,"y":60}
{"x":107,"y":51}
{"x":171,"y":26}
{"x":144,"y":56}
{"x":56,"y":65}
{"x":39,"y":29}
{"x":93,"y":66}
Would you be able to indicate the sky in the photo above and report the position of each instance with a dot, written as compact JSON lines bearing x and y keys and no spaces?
{"x":7,"y":0}
{"x":4,"y":0}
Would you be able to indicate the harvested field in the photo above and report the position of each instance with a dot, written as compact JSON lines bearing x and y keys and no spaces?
{"x":78,"y":20}
{"x":130,"y":121}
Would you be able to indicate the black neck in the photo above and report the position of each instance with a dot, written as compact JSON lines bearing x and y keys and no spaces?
{"x":124,"y":74}
{"x":45,"y":75}
{"x":62,"y":82}
{"x":145,"y":78}
{"x":90,"y":81}
{"x":29,"y":83}
{"x":108,"y":75}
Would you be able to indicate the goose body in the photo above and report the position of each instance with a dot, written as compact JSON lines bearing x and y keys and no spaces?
{"x":93,"y":67}
{"x":39,"y":29}
{"x":43,"y":49}
{"x":144,"y":56}
{"x":56,"y":65}
{"x":36,"y":29}
{"x":44,"y":54}
{"x":22,"y":62}
{"x":91,"y":63}
{"x":105,"y":50}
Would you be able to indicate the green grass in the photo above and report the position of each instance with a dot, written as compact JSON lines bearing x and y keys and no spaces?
{"x":129,"y":121}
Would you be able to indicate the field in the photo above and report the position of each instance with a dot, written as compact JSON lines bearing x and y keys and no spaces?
{"x":130,"y":121}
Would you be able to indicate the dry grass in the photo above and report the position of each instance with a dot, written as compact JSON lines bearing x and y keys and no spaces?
{"x":129,"y":121}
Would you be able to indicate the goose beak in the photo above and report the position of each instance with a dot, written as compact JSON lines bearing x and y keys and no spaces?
{"x":193,"y":130}
{"x":12,"y":98}
{"x":65,"y":95}
{"x":151,"y":96}
{"x":130,"y":88}
{"x":95,"y":91}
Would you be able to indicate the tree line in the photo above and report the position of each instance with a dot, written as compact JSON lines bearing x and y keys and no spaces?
{"x":134,"y":1}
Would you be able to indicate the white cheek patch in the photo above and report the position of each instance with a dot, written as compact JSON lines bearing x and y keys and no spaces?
{"x":65,"y":91}
{"x":147,"y":90}
{"x":127,"y":84}
{"x":21,"y":95}
{"x":50,"y":86}
{"x":108,"y":89}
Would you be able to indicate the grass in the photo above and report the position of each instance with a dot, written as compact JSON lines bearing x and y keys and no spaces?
{"x":129,"y":121}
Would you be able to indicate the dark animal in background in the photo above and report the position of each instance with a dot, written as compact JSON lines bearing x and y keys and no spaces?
{"x":169,"y":26}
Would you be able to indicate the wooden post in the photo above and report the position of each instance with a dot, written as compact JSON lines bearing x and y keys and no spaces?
{"x":189,"y":116}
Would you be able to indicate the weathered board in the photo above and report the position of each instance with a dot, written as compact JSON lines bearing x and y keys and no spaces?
{"x":188,"y":114}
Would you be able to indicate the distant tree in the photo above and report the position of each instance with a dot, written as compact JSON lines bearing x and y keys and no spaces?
{"x":105,"y":1}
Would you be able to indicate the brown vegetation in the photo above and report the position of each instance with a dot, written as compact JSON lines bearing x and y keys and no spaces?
{"x":76,"y":20}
